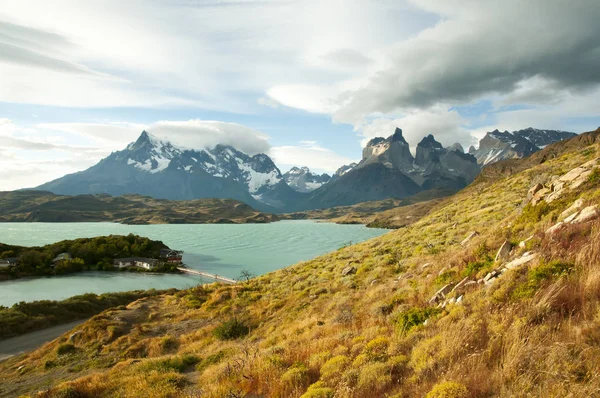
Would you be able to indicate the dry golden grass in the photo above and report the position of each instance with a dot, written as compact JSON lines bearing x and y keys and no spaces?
{"x":314,"y":333}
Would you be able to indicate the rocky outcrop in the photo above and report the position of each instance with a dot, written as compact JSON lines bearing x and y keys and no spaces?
{"x":348,"y":271}
{"x":559,"y":185}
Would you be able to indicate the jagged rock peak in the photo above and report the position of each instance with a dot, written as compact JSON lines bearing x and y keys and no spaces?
{"x":430,"y":142}
{"x":398,"y":137}
{"x":456,"y":147}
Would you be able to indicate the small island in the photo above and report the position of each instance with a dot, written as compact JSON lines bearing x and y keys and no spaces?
{"x":104,"y":253}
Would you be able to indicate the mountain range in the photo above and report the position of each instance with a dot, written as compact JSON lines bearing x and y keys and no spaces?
{"x":157,"y":168}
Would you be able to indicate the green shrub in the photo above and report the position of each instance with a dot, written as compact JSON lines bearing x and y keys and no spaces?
{"x":177,"y":364}
{"x":318,"y":390}
{"x":448,"y":389}
{"x":414,"y":317}
{"x":65,"y":349}
{"x":594,"y":178}
{"x":533,"y":214}
{"x":295,"y":376}
{"x":334,"y":367}
{"x":376,"y":349}
{"x":230,"y":330}
{"x":544,"y":271}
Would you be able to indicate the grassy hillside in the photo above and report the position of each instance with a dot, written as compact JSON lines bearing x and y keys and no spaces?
{"x":388,"y":213}
{"x":420,"y":311}
{"x":41,"y":206}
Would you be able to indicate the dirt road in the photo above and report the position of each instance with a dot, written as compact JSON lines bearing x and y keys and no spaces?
{"x":30,"y":341}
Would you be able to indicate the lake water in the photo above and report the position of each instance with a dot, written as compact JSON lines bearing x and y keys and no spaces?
{"x":222,"y":249}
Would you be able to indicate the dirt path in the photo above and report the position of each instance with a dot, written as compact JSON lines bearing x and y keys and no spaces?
{"x":30,"y":341}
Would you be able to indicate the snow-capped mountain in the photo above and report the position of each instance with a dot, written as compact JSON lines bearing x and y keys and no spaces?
{"x":497,"y":145}
{"x":150,"y":166}
{"x":302,"y":179}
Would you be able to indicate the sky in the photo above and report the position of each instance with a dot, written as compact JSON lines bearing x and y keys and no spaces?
{"x":308,"y":82}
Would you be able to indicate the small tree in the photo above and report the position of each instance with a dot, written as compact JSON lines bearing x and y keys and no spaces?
{"x":246,"y":275}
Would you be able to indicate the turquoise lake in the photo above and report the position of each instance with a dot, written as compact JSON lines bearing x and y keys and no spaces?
{"x":222,"y":249}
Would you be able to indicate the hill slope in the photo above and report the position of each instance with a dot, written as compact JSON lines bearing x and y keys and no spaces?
{"x":421,"y":311}
{"x":41,"y":206}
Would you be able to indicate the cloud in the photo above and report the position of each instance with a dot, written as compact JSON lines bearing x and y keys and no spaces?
{"x":207,"y":134}
{"x":481,"y":48}
{"x":446,"y":126}
{"x":308,"y":153}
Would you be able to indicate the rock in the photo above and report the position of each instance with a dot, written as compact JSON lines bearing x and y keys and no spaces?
{"x":539,"y":196}
{"x":587,"y":214}
{"x":503,"y":252}
{"x":425,"y":265}
{"x":469,"y":285}
{"x":459,"y":299}
{"x":573,"y":174}
{"x":74,"y":335}
{"x":461,"y":283}
{"x":426,"y":322}
{"x":582,"y":179}
{"x":490,"y":281}
{"x":480,"y":281}
{"x":520,"y":261}
{"x":554,"y":195}
{"x":574,"y":208}
{"x":469,"y":238}
{"x":555,"y":227}
{"x":533,"y":190}
{"x":489,"y":276}
{"x":524,"y":242}
{"x":444,"y":269}
{"x":348,"y":271}
{"x":440,"y":294}
{"x":408,"y":276}
{"x":571,"y":218}
{"x":373,"y":282}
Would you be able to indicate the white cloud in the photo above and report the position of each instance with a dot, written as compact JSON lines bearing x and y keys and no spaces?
{"x":446,"y":126}
{"x":206,"y":134}
{"x":308,"y":153}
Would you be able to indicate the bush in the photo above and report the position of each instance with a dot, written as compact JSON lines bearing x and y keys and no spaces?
{"x":65,"y":349}
{"x":376,"y":349}
{"x":231,"y":330}
{"x":539,"y":274}
{"x":318,"y":390}
{"x":414,"y":317}
{"x":177,"y":364}
{"x":334,"y":367}
{"x":448,"y":389}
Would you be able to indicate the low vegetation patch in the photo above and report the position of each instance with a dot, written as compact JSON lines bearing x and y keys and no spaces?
{"x":231,"y":330}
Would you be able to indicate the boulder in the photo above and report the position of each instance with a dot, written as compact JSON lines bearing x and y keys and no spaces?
{"x":503,"y":252}
{"x":74,"y":335}
{"x":460,"y":284}
{"x":373,"y":282}
{"x":469,"y":238}
{"x":459,"y":299}
{"x":573,"y":174}
{"x":524,"y":242}
{"x":571,"y":218}
{"x":489,"y":276}
{"x":533,"y":190}
{"x":539,"y":196}
{"x":556,"y":227}
{"x":574,"y":208}
{"x":348,"y":271}
{"x":440,"y":294}
{"x":444,"y":269}
{"x":587,"y":214}
{"x":582,"y":179}
{"x":521,"y":261}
